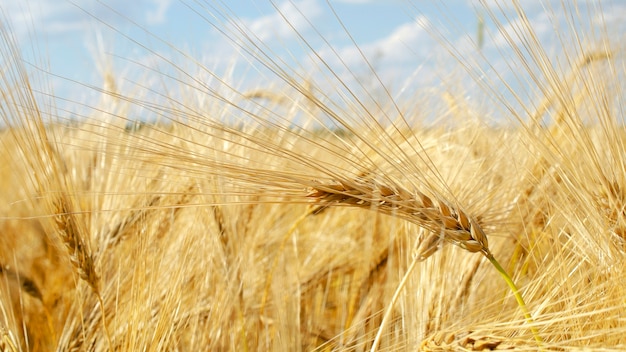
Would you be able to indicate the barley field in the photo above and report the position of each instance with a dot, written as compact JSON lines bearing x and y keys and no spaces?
{"x":313,"y":213}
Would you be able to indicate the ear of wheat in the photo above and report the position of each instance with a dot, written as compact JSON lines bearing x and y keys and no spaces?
{"x":452,"y":224}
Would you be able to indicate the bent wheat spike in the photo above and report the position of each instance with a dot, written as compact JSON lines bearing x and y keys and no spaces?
{"x":451,"y":224}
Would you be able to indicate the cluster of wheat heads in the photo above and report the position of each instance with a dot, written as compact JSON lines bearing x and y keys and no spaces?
{"x":286,"y":218}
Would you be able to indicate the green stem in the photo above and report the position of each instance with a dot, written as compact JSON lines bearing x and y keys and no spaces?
{"x":518,"y":297}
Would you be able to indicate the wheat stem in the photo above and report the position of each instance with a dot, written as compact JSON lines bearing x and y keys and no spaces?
{"x":104,"y":322}
{"x":396,"y":294}
{"x":518,"y":298}
{"x":268,"y":280}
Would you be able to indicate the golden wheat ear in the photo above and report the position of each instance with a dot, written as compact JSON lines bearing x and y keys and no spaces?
{"x":451,"y":224}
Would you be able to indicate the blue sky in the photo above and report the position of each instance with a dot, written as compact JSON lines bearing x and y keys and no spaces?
{"x":69,"y":38}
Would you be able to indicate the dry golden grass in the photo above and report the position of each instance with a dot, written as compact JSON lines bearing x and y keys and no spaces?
{"x":288,"y":224}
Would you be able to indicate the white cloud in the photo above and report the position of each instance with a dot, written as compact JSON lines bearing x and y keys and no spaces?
{"x":298,"y":15}
{"x":157,"y":15}
{"x":611,"y":17}
{"x":552,"y":22}
{"x":403,"y":58}
{"x":409,"y":42}
{"x":56,"y":17}
{"x":497,"y":5}
{"x":44,"y":15}
{"x":359,"y":1}
{"x":405,"y":42}
{"x":507,"y":34}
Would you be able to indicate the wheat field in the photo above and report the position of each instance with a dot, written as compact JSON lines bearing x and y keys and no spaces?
{"x":307,"y":214}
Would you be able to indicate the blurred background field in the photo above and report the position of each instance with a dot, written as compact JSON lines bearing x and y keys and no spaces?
{"x":170,"y":208}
